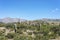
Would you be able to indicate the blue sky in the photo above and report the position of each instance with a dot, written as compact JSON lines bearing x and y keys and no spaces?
{"x":30,"y":9}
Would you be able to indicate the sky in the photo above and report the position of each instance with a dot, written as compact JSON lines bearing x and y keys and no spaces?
{"x":30,"y":9}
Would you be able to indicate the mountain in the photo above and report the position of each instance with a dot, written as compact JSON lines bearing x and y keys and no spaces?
{"x":11,"y":20}
{"x":50,"y":20}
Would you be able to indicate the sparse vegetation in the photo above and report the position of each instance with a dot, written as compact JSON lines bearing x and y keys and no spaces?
{"x":34,"y":30}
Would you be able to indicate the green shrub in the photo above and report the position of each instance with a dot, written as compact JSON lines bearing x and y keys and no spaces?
{"x":10,"y":35}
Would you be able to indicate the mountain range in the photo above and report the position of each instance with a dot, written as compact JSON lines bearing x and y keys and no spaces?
{"x":11,"y":20}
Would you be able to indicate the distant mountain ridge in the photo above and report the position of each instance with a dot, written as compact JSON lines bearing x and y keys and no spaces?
{"x":53,"y":20}
{"x":11,"y":20}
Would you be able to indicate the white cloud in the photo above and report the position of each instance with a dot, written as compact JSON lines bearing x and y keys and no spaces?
{"x":56,"y":10}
